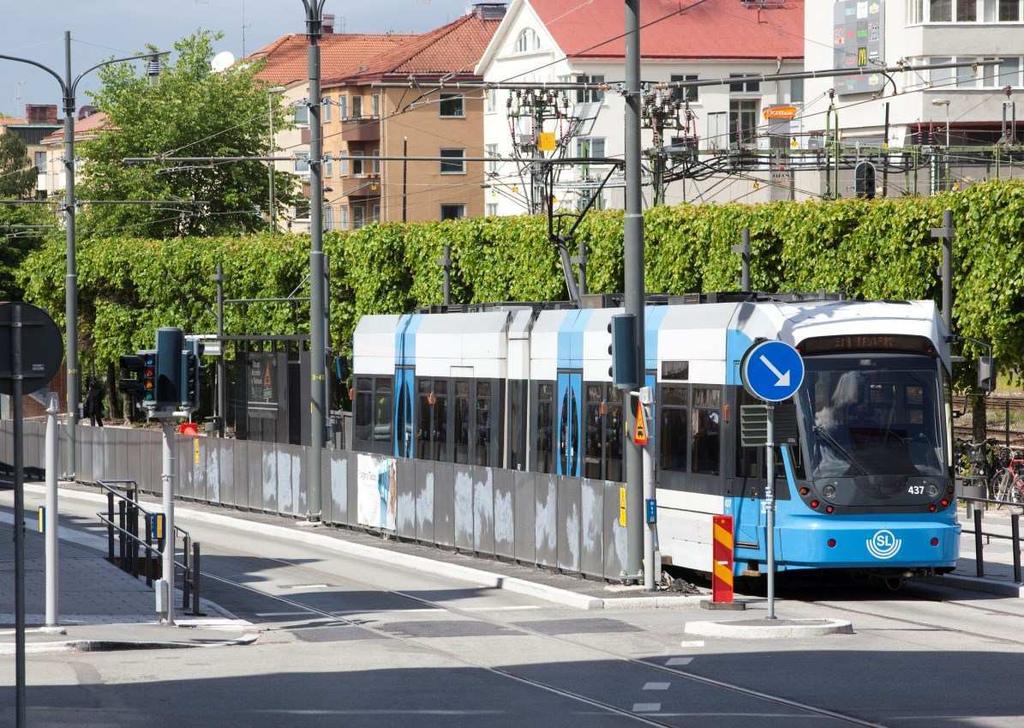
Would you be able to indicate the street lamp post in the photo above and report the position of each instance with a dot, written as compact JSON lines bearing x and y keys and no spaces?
{"x":943,"y":102}
{"x":317,"y":333}
{"x":69,"y":87}
{"x":273,"y":150}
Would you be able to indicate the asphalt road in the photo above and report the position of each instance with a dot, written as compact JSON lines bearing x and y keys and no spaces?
{"x":352,"y":643}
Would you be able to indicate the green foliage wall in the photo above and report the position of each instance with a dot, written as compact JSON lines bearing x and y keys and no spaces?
{"x":877,"y":249}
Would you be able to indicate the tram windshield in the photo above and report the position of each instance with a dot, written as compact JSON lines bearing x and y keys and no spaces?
{"x":873,"y":416}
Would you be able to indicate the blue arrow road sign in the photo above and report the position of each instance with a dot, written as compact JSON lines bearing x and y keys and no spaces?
{"x":772,"y":371}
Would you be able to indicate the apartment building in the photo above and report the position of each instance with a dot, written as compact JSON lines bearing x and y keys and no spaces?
{"x":285,"y":68}
{"x":390,"y":109}
{"x":88,"y":124}
{"x":39,"y":121}
{"x":545,"y":41}
{"x":974,"y":104}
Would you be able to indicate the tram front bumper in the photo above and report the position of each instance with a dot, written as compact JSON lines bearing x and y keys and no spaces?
{"x":869,"y":544}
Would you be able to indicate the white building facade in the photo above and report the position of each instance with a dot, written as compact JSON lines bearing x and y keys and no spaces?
{"x":724,"y":120}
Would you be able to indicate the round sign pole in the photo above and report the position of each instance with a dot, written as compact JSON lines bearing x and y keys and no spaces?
{"x":769,"y":506}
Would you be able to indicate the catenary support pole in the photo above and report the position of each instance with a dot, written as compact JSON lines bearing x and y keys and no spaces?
{"x":634,"y":280}
{"x":167,"y":479}
{"x":71,"y":277}
{"x":19,"y":519}
{"x":222,"y":384}
{"x":52,"y":560}
{"x":947,"y":270}
{"x":317,"y":357}
{"x":271,"y":182}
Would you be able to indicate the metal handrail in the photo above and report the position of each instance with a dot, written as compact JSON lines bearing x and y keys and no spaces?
{"x":106,"y":485}
{"x":978,"y":533}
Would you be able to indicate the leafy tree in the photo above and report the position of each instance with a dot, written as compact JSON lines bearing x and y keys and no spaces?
{"x":17,"y":175}
{"x":188,"y":110}
{"x":22,"y":230}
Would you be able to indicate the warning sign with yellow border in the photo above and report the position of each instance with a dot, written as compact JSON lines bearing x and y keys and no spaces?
{"x":640,"y":431}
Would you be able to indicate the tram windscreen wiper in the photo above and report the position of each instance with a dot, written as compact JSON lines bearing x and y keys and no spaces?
{"x":822,"y":432}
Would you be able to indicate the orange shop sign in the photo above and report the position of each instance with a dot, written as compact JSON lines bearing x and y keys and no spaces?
{"x":780,"y":112}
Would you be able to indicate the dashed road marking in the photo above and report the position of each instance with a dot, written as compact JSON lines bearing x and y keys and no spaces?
{"x":656,"y":686}
{"x":282,"y":614}
{"x":305,"y":586}
{"x":677,"y":661}
{"x":693,"y":643}
{"x":646,"y":707}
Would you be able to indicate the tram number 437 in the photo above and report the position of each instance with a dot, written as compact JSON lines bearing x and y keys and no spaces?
{"x":915,"y":489}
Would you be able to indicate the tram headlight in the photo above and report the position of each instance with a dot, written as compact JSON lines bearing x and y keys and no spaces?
{"x":829,"y":491}
{"x":933,"y":490}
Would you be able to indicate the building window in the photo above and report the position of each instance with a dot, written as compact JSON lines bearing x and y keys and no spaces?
{"x":328,"y":165}
{"x":302,"y":208}
{"x":685,"y":93}
{"x":328,"y":217}
{"x":325,"y":109}
{"x":941,"y":76}
{"x":589,"y":148}
{"x":1009,"y":11}
{"x":743,"y":87}
{"x":343,"y":107}
{"x":375,"y":105}
{"x":716,"y":136}
{"x":584,"y":197}
{"x":490,"y":100}
{"x":940,"y":11}
{"x":743,"y":122}
{"x":796,"y":91}
{"x":915,"y":12}
{"x":39,"y":159}
{"x":357,"y":107}
{"x":453,"y":212}
{"x":343,"y":164}
{"x":358,"y":165}
{"x":452,"y":106}
{"x":301,"y":114}
{"x":491,"y":150}
{"x":375,"y":213}
{"x":527,"y":41}
{"x":302,"y":162}
{"x":592,"y":96}
{"x":375,"y":164}
{"x":491,"y":209}
{"x":342,"y":217}
{"x":965,"y":77}
{"x":966,"y":11}
{"x":1009,"y":72}
{"x":453,"y":161}
{"x":358,"y":216}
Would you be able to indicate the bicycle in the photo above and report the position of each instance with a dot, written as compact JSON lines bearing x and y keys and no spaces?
{"x":1007,"y":485}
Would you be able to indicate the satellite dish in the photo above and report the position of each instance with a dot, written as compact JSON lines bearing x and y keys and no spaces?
{"x":222,"y":61}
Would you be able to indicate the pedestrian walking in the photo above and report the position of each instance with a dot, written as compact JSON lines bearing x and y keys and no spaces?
{"x":94,"y":403}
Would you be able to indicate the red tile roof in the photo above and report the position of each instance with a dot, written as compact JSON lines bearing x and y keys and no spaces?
{"x":340,"y":54}
{"x":454,"y":48}
{"x":93,"y":122}
{"x":711,"y":29}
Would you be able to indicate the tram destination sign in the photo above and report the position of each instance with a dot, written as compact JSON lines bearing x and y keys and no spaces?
{"x":772,"y":371}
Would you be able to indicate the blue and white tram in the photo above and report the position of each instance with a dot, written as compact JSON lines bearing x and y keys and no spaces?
{"x":867,"y":479}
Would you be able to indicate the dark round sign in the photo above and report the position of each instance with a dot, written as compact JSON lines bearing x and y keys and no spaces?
{"x":41,"y":346}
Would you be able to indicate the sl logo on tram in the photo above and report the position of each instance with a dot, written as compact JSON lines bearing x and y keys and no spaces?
{"x":884,"y":544}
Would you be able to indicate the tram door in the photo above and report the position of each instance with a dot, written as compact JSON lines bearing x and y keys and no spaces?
{"x":405,"y":396}
{"x":569,"y":430}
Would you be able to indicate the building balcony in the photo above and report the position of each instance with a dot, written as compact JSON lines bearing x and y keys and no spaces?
{"x":363,"y":129}
{"x":359,"y":187}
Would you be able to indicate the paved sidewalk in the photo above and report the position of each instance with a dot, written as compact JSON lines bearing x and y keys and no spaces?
{"x":100,"y":606}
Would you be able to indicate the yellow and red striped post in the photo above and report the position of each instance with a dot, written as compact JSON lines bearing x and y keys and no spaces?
{"x":721,"y":554}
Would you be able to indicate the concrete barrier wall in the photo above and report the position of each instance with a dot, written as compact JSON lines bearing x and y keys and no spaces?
{"x":569,"y":524}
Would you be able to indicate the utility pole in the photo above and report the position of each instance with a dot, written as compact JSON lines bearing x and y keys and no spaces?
{"x":270,"y":165}
{"x":222,"y":384}
{"x":633,"y":254}
{"x":317,"y":356}
{"x":660,"y":112}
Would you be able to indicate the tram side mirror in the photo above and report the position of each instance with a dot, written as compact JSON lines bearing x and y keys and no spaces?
{"x":986,"y":374}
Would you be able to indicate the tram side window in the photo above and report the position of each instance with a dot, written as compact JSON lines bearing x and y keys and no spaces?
{"x":594,"y":439}
{"x":517,"y":424}
{"x":673,"y":428}
{"x":432,"y":424}
{"x":748,"y":459}
{"x":440,"y":432}
{"x":382,"y":410}
{"x":462,"y":421}
{"x":706,"y":420}
{"x":545,"y":422}
{"x":483,"y":422}
{"x":613,"y":434}
{"x":364,"y":409}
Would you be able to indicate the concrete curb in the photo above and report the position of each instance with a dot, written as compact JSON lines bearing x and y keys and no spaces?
{"x":988,"y":586}
{"x":104,"y":645}
{"x":490,"y":579}
{"x":762,"y":629}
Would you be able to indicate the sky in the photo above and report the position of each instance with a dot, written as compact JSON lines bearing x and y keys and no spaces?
{"x":103,"y":28}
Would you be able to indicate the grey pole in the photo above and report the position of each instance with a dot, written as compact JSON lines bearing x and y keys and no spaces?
{"x":222,"y":385}
{"x":634,"y":279}
{"x":71,"y":278}
{"x":167,"y":481}
{"x":318,"y":377}
{"x":52,"y":560}
{"x":769,"y":506}
{"x":270,"y":167}
{"x":19,"y":520}
{"x":446,"y":279}
{"x":743,"y":249}
{"x":947,"y":270}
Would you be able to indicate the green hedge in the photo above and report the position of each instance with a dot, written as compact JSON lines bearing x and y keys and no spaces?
{"x":874,"y":249}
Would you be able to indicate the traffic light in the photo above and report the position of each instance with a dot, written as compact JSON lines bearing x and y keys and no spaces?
{"x":864,"y":180}
{"x":130,"y":378}
{"x":148,"y":378}
{"x":169,"y":343}
{"x":190,"y":373}
{"x":623,"y":351}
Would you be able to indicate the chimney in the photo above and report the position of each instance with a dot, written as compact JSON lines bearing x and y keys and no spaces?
{"x":489,"y":11}
{"x":328,"y":24}
{"x":41,"y":113}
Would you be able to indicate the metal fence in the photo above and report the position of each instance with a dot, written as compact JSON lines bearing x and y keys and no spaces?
{"x":1004,"y":419}
{"x":569,"y":524}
